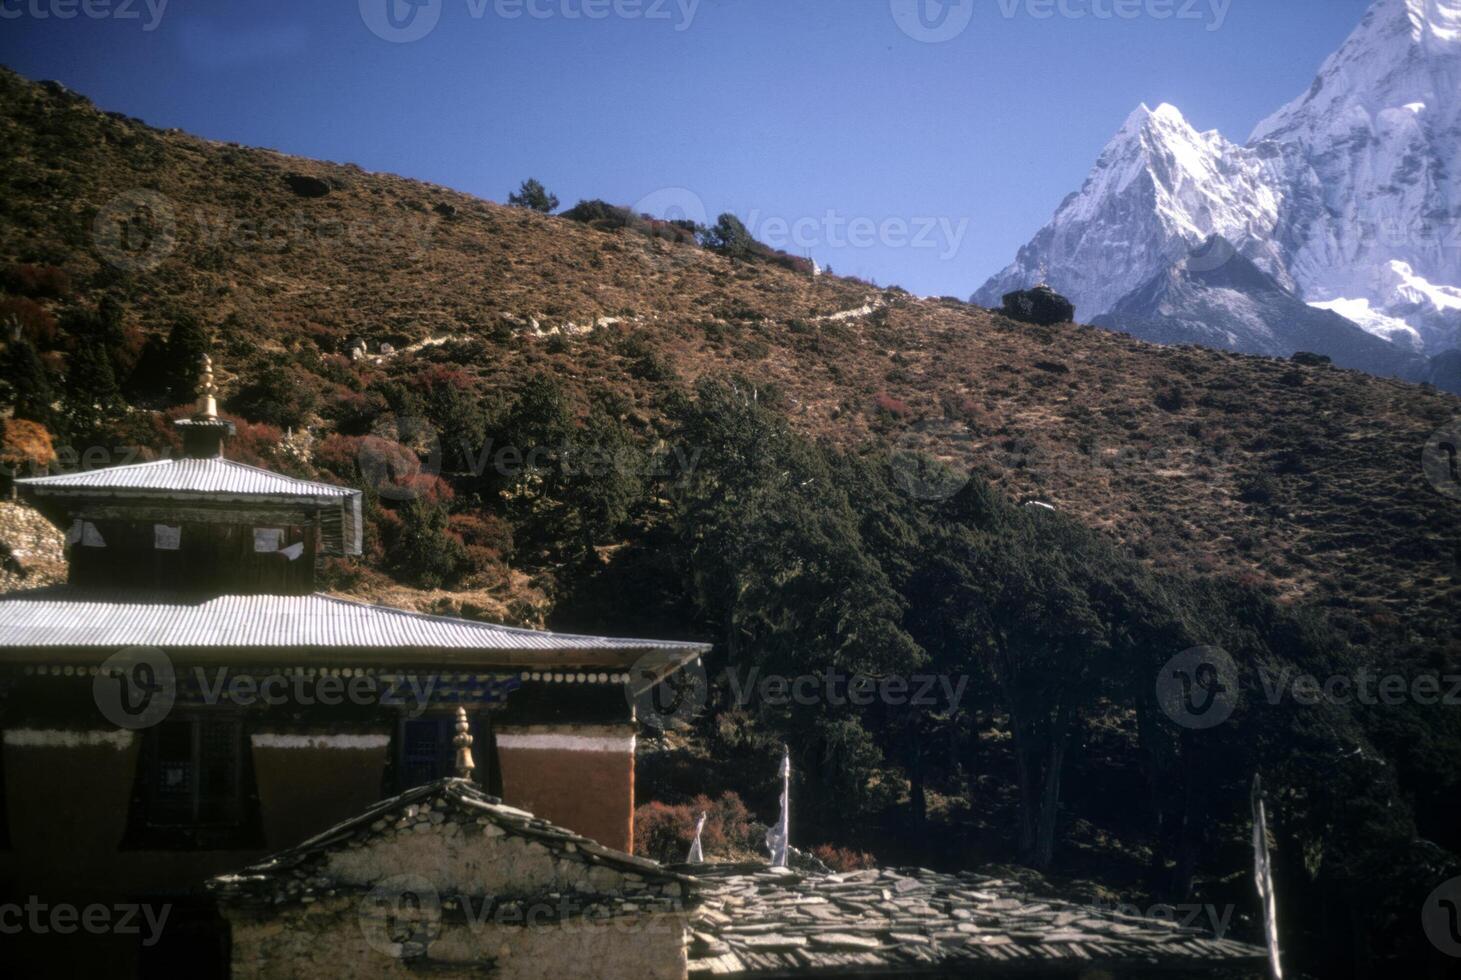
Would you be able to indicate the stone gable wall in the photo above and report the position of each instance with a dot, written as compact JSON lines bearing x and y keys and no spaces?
{"x":314,"y":940}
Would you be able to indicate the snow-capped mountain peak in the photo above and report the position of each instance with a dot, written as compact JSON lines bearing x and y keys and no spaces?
{"x":1159,"y":189}
{"x":1404,"y":53}
{"x":1335,"y":192}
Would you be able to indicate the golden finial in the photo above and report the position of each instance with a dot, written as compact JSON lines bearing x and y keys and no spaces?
{"x":207,"y":391}
{"x":463,"y":742}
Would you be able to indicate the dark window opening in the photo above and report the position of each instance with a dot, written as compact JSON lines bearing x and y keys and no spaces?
{"x":4,"y":803}
{"x":195,"y":787}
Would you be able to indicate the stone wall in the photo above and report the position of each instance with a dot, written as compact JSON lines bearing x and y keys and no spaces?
{"x":446,"y":887}
{"x":317,"y":940}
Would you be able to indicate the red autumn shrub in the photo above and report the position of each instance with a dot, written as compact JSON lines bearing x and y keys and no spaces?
{"x":255,"y":443}
{"x":36,"y":324}
{"x":339,"y":456}
{"x":484,"y":533}
{"x":889,"y":405}
{"x":25,"y":446}
{"x":43,"y":281}
{"x":843,"y":858}
{"x":664,"y":832}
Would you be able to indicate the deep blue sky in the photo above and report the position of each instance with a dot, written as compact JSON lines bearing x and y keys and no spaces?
{"x":782,"y":109}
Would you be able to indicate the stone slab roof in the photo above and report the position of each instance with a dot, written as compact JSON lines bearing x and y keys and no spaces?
{"x":72,"y":618}
{"x":780,"y":923}
{"x":294,"y":876}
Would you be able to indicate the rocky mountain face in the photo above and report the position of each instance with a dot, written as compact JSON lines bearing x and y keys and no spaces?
{"x":1218,"y":297}
{"x":1348,"y":197}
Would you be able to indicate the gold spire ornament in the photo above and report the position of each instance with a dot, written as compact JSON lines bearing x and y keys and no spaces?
{"x":463,"y":742}
{"x":207,"y":391}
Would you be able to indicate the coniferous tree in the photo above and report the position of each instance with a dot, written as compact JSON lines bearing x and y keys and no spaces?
{"x":28,"y":390}
{"x":534,"y":196}
{"x":187,"y":342}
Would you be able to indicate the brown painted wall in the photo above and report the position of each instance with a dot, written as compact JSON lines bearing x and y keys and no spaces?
{"x":303,"y":791}
{"x":67,"y":811}
{"x":590,"y":792}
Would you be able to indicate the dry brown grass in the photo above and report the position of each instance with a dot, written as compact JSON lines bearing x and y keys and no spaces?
{"x":1069,"y":414}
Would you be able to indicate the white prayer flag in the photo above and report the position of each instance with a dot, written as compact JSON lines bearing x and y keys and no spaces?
{"x":697,"y":855}
{"x":778,"y":838}
{"x":267,"y":539}
{"x":1263,"y":876}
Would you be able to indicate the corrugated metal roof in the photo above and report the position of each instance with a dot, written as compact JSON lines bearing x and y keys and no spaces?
{"x":218,"y":479}
{"x":64,"y":616}
{"x":187,"y":475}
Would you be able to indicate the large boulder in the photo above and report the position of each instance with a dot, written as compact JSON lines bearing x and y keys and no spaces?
{"x":306,"y":186}
{"x":1042,"y":306}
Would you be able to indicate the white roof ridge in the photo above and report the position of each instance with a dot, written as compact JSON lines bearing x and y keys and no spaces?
{"x":98,"y":478}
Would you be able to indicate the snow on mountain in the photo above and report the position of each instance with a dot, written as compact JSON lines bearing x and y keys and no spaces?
{"x":1158,"y":189}
{"x":1350,"y":196}
{"x":1219,"y":298}
{"x":1372,"y":321}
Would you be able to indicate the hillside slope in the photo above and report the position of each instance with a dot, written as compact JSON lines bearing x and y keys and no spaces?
{"x":1308,"y":479}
